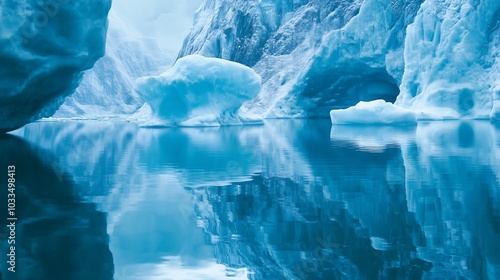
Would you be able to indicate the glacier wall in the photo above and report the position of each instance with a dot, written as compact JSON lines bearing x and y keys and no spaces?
{"x":451,"y":58}
{"x":439,"y":58}
{"x":44,"y":47}
{"x":312,"y":55}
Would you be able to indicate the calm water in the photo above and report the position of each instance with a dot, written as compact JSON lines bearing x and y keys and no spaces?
{"x":287,"y":200}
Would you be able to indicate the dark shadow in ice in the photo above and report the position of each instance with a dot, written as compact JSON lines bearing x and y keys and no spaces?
{"x":57,"y":235}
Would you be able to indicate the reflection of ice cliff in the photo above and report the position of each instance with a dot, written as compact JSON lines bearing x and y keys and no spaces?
{"x":57,"y":236}
{"x":461,"y":203}
{"x":347,"y":203}
{"x":408,"y":216}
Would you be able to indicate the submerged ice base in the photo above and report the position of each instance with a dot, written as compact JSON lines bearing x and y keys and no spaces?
{"x":200,"y":91}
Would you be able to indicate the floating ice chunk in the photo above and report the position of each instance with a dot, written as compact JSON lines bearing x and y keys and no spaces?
{"x":373,"y":112}
{"x":200,"y":91}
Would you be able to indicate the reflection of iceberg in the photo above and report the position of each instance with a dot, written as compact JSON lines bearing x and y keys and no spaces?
{"x":58,"y":236}
{"x":362,"y":202}
{"x":372,"y":137}
{"x":175,"y":268}
{"x":320,"y":222}
{"x":209,"y":156}
{"x":137,"y":174}
{"x":278,"y":229}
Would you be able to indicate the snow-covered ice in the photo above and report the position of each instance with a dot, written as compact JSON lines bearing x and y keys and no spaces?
{"x":199,"y":91}
{"x":373,"y":112}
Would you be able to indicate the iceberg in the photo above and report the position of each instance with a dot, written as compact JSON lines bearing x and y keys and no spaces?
{"x":199,"y":91}
{"x":373,"y":112}
{"x":44,"y":48}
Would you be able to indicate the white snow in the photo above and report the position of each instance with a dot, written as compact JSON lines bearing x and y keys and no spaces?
{"x":373,"y":112}
{"x":199,"y":91}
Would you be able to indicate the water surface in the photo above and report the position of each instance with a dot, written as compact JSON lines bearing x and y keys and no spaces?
{"x":292,"y":199}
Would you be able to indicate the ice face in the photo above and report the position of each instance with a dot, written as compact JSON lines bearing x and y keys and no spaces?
{"x":313,"y":56}
{"x":199,"y":91}
{"x":107,"y":89}
{"x":44,"y":48}
{"x":439,"y":58}
{"x":451,"y":59}
{"x":373,"y":112}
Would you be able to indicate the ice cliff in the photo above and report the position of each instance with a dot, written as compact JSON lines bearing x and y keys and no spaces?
{"x":44,"y":48}
{"x":452,"y":58}
{"x":438,"y":58}
{"x":106,"y":89}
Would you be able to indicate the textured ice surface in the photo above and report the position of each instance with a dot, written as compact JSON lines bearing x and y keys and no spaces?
{"x":451,"y":58}
{"x":141,"y":41}
{"x":373,"y":112}
{"x":441,"y":57}
{"x":199,"y":91}
{"x":44,"y":47}
{"x":313,"y":56}
{"x":107,"y":89}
